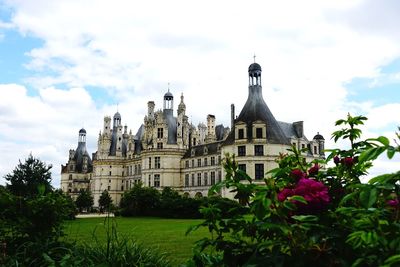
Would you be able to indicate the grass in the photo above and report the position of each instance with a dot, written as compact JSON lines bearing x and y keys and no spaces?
{"x":166,"y":235}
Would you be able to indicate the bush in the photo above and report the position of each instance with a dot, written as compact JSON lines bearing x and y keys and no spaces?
{"x":305,"y":215}
{"x":140,"y":201}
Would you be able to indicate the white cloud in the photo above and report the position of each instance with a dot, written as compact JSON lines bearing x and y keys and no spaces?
{"x":309,"y":51}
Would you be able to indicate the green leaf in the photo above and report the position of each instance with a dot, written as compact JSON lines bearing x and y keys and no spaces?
{"x":390,"y":152}
{"x":371,"y":154}
{"x":305,"y":218}
{"x":392,"y":260}
{"x":298,"y":198}
{"x":383,"y":140}
{"x":368,"y":197}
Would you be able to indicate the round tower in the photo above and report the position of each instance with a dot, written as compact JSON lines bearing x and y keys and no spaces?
{"x":168,"y":100}
{"x":117,"y":120}
{"x":82,"y":136}
{"x":255,"y":74}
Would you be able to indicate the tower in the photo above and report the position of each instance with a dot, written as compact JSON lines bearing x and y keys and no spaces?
{"x":82,"y":136}
{"x":168,"y":101}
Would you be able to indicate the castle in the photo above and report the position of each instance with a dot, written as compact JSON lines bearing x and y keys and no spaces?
{"x":167,"y":150}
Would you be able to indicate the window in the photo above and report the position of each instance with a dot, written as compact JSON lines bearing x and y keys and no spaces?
{"x":122,"y":188}
{"x":186,"y":180}
{"x":187,"y":164}
{"x":212,"y":178}
{"x":242,"y":167}
{"x":70,"y":177}
{"x":241,"y":151}
{"x":149,"y":163}
{"x":212,"y":161}
{"x":192,"y":179}
{"x":219,"y":160}
{"x":160,"y":132}
{"x":109,"y":181}
{"x":159,"y":145}
{"x":157,"y":162}
{"x":241,"y":134}
{"x":198,"y":162}
{"x":149,"y":180}
{"x":205,"y":178}
{"x":258,"y":150}
{"x":110,"y":173}
{"x":303,"y":146}
{"x":109,"y":188}
{"x":156,"y":180}
{"x":139,"y":169}
{"x":259,"y":132}
{"x":136,"y":169}
{"x":199,"y":179}
{"x":205,"y":162}
{"x":219,"y":176}
{"x":259,"y":171}
{"x":192,"y":163}
{"x":70,"y":184}
{"x":315,"y":150}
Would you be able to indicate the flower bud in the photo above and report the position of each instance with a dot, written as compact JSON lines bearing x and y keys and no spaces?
{"x":336,"y":159}
{"x":313,"y":170}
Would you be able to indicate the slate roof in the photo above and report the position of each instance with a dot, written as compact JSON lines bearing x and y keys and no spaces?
{"x":199,"y":150}
{"x":254,"y":110}
{"x":80,"y":153}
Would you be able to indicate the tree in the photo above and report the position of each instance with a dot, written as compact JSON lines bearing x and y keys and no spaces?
{"x":84,"y":201}
{"x":30,"y":177}
{"x":105,"y":201}
{"x":140,"y":201}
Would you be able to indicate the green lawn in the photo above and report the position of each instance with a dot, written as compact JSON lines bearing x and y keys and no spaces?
{"x":167,"y":235}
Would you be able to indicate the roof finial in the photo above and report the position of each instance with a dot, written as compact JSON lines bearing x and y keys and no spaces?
{"x":168,"y":87}
{"x":254,"y":57}
{"x":117,"y":106}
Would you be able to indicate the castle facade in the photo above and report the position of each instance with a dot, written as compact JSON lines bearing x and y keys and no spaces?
{"x":168,"y":151}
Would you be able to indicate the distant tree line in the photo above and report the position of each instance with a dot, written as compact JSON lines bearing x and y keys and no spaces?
{"x":148,"y":201}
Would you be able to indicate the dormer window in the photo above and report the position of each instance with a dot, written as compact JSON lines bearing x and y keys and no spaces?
{"x":241,"y":134}
{"x":259,"y":132}
{"x":205,"y":150}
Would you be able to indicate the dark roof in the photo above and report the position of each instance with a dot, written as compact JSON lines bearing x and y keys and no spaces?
{"x":256,"y":109}
{"x":220,"y":132}
{"x":80,"y":154}
{"x":254,"y":67}
{"x":211,"y":148}
{"x":168,"y":95}
{"x":318,"y":137}
{"x":117,"y":115}
{"x":82,"y":131}
{"x":288,"y":129}
{"x":171,"y":124}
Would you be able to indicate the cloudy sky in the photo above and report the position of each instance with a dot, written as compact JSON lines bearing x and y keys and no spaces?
{"x":66,"y":64}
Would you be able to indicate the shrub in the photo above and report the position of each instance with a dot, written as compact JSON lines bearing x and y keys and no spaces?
{"x":304,"y":215}
{"x":140,"y":201}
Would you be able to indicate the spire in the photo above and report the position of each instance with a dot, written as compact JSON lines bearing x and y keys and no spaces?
{"x":181,"y":106}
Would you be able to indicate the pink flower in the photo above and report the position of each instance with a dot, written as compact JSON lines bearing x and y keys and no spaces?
{"x":394,"y":203}
{"x":336,"y":159}
{"x":297,"y":174}
{"x":348,"y":161}
{"x":314,"y":192}
{"x":313,"y":171}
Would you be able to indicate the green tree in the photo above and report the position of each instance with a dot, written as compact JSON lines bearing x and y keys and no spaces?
{"x":30,"y":177}
{"x":105,"y":201}
{"x":140,"y":201}
{"x":84,"y":201}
